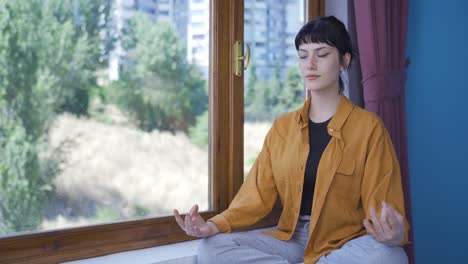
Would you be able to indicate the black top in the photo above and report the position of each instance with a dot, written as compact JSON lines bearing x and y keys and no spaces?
{"x":318,"y":141}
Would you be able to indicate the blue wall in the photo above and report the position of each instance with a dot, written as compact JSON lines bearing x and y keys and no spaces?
{"x":437,"y":120}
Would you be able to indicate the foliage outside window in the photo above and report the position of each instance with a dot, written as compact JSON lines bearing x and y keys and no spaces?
{"x":54,"y":56}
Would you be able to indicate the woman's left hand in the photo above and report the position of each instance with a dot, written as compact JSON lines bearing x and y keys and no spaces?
{"x":389,"y":229}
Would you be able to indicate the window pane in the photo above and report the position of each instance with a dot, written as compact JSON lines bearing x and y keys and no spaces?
{"x":272,"y":84}
{"x":103,"y":111}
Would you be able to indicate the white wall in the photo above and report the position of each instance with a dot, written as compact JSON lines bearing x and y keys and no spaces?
{"x":338,"y":8}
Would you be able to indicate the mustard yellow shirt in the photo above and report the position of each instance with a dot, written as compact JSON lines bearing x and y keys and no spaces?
{"x":358,"y":168}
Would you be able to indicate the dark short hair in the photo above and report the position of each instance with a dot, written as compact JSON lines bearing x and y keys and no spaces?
{"x":328,"y":30}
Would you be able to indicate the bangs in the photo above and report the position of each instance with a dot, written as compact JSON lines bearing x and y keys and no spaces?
{"x":317,"y":33}
{"x":328,"y":30}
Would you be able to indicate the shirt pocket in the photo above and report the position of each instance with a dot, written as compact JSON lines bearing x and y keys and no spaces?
{"x":346,"y":167}
{"x":344,"y":184}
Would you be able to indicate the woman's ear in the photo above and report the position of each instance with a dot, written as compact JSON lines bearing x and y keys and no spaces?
{"x":346,"y":60}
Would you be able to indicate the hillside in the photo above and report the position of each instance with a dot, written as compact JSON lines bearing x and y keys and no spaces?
{"x":115,"y":171}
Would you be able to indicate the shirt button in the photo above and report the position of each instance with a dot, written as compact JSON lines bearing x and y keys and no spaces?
{"x":331,"y":129}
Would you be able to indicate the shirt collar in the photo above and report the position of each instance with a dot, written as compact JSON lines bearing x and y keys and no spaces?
{"x":303,"y":118}
{"x":334,"y":127}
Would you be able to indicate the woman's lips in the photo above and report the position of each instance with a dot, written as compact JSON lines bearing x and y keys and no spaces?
{"x":311,"y":77}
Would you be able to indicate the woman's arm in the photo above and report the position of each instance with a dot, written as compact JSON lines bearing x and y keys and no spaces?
{"x":256,"y":196}
{"x":382,"y":183}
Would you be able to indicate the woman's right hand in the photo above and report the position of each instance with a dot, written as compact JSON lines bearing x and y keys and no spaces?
{"x":194,"y":224}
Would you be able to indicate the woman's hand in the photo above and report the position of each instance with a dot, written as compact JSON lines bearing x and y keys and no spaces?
{"x":389,"y":229}
{"x":194,"y":224}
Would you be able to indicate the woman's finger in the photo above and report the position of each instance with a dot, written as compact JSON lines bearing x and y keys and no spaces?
{"x":383,"y":213}
{"x":397,"y":217}
{"x":193,"y":211}
{"x":400,"y":224}
{"x":369,"y":228}
{"x":387,"y":233}
{"x":197,"y":232}
{"x":392,"y":219}
{"x":400,"y":218}
{"x":179,"y":219}
{"x":376,"y":223}
{"x":188,"y":225}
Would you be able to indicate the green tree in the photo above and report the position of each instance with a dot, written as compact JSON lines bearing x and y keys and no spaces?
{"x":268,"y":99}
{"x":249,"y":91}
{"x":158,"y":86}
{"x":292,"y":94}
{"x":85,"y":28}
{"x":276,"y":88}
{"x":23,"y":192}
{"x":262,"y":97}
{"x":261,"y":104}
{"x":48,"y":60}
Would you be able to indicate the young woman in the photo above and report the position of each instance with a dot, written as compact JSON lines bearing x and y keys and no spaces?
{"x":334,"y":168}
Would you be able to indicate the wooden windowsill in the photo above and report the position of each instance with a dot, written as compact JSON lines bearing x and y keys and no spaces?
{"x":185,"y":252}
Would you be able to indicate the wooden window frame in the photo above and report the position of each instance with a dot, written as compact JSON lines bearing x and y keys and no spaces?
{"x":314,"y":8}
{"x":225,"y":156}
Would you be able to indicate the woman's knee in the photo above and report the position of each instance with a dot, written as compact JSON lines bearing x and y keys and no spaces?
{"x":365,"y":250}
{"x":394,"y":255}
{"x":381,"y":253}
{"x":210,"y":247}
{"x":206,"y":245}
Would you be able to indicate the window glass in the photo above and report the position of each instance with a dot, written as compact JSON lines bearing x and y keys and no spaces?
{"x":103,"y":111}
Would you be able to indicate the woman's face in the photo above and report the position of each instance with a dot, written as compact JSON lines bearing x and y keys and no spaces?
{"x":319,"y":64}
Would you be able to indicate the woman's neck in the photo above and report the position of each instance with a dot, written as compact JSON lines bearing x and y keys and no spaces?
{"x":323,"y":105}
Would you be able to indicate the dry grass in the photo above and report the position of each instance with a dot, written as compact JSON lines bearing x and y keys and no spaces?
{"x":120,"y":167}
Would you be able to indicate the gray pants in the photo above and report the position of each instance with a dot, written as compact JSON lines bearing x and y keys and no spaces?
{"x":256,"y":247}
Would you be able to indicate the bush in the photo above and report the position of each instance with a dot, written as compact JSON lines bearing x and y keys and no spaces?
{"x":199,"y":133}
{"x":158,"y":86}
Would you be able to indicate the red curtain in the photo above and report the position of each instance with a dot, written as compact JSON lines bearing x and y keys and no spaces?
{"x":381,"y":35}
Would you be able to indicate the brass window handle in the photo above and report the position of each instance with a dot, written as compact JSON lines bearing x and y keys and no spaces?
{"x":240,"y":61}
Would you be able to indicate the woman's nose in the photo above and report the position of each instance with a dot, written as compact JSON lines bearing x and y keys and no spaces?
{"x":312,"y":62}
